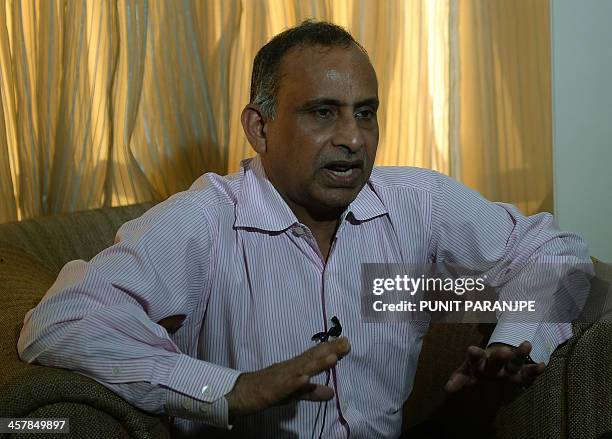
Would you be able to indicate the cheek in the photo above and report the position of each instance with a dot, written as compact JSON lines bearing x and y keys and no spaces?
{"x":309,"y":131}
{"x":306,"y":152}
{"x":303,"y":143}
{"x":372,"y":142}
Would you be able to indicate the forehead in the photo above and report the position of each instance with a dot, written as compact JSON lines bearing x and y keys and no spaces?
{"x":312,"y":72}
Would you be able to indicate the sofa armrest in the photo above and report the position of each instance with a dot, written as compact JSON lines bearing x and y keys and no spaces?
{"x":28,"y":390}
{"x":94,"y":411}
{"x":589,"y":383}
{"x":540,"y":410}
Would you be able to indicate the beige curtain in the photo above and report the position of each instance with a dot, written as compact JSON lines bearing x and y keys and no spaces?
{"x":110,"y":102}
{"x":505,"y":109}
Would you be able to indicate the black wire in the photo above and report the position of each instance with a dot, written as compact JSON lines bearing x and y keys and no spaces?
{"x":314,"y":427}
{"x":325,"y":409}
{"x":323,"y":424}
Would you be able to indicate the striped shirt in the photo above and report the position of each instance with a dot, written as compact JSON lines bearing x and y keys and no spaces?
{"x":231,"y":256}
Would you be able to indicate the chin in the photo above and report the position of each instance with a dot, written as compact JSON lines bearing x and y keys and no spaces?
{"x":340,"y":200}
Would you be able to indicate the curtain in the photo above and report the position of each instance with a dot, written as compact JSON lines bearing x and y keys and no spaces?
{"x":112,"y":102}
{"x":505,"y":103}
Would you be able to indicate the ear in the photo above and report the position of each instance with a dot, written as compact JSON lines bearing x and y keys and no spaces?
{"x":254,"y":126}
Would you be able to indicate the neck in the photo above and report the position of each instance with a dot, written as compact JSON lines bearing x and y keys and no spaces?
{"x":323,"y":225}
{"x":316,"y":218}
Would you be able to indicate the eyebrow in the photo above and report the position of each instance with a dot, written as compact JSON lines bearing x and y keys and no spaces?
{"x":373,"y":102}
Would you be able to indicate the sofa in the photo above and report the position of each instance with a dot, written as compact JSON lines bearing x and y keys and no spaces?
{"x":572,"y":399}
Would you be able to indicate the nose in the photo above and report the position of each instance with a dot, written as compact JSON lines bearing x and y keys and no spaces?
{"x":348,"y":134}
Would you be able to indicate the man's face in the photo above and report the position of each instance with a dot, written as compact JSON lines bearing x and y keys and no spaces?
{"x":320,"y":148}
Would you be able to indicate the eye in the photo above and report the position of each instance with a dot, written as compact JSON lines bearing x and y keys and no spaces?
{"x":365,"y":114}
{"x":323,"y":113}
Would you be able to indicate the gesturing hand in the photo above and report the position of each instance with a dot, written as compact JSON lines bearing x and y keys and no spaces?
{"x":497,"y":361}
{"x":289,"y":380}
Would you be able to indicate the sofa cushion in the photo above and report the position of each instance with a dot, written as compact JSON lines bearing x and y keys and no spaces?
{"x":58,"y":239}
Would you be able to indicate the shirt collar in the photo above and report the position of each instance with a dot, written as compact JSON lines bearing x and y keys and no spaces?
{"x":367,"y":204}
{"x":260,"y":206}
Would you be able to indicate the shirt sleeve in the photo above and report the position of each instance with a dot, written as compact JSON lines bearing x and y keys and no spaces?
{"x":525,"y":258}
{"x":99,"y":317}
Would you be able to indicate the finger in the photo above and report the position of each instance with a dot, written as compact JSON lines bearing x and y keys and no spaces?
{"x":318,"y":365}
{"x":316,"y":392}
{"x":475,"y":357}
{"x":286,"y":389}
{"x":521,"y":354}
{"x":497,"y":360}
{"x":515,"y":365}
{"x":464,"y":375}
{"x":517,"y":378}
{"x":322,"y":357}
{"x":281,"y":392}
{"x":457,"y":381}
{"x":531,"y":371}
{"x":518,"y":360}
{"x":523,"y":350}
{"x":340,"y":346}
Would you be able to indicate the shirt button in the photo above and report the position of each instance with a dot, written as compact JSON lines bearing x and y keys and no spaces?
{"x":186,"y":404}
{"x":204,"y":408}
{"x":115,"y":370}
{"x":205,"y":390}
{"x":298,"y":231}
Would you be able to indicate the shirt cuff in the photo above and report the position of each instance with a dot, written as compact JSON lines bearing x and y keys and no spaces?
{"x":214,"y":414}
{"x":544,"y":337}
{"x":198,"y":389}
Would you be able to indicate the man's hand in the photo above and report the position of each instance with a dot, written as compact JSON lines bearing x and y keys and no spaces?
{"x":497,"y":361}
{"x":287,"y":381}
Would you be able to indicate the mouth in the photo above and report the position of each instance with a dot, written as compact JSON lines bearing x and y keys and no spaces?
{"x":344,"y":173}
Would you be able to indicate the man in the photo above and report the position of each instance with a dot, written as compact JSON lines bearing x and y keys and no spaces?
{"x":240,"y":271}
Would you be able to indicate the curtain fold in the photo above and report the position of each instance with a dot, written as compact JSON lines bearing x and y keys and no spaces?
{"x":112,"y":102}
{"x":505,"y":127}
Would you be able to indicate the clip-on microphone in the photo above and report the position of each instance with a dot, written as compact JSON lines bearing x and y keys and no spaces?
{"x":334,"y":331}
